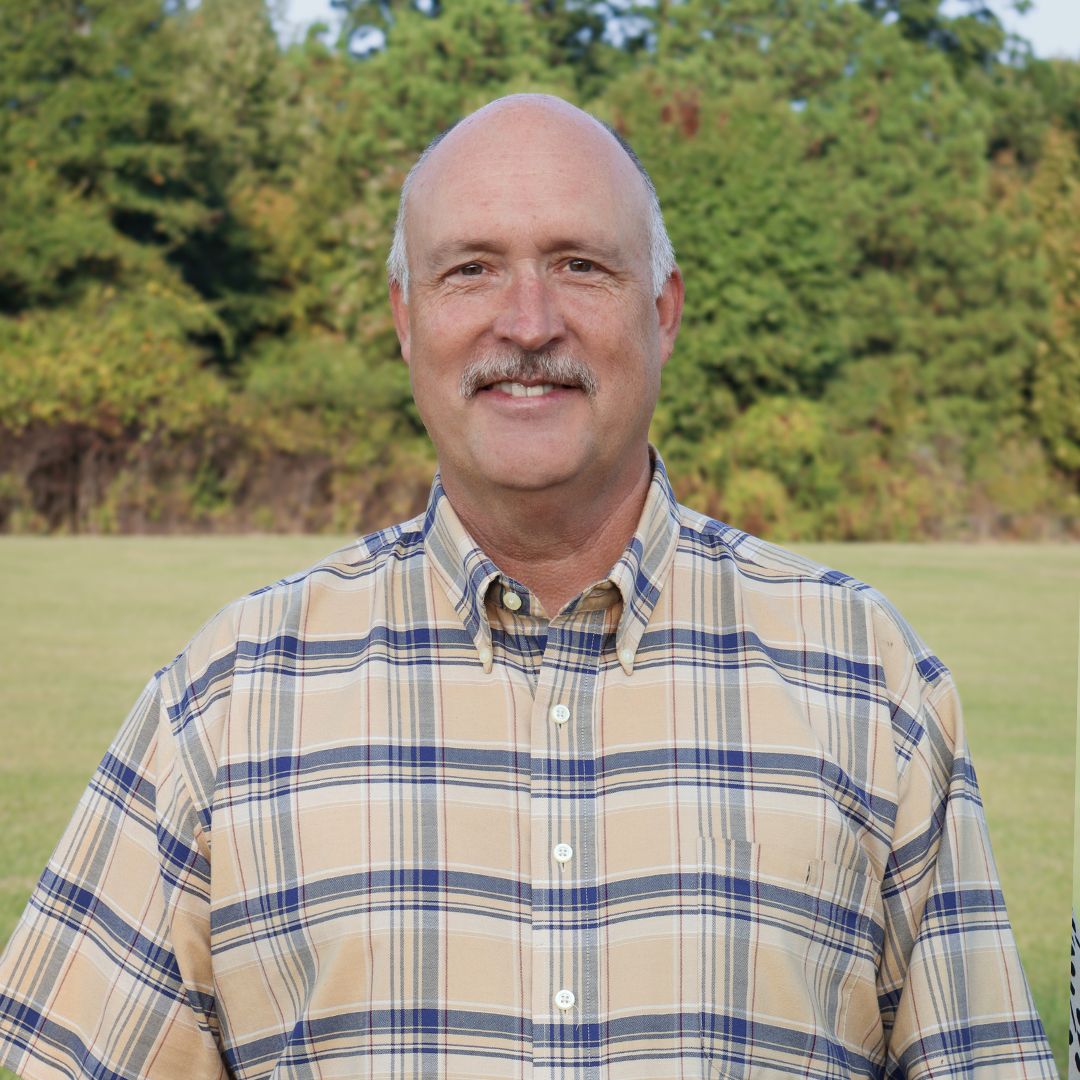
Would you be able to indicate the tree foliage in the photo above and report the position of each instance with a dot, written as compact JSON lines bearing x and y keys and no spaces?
{"x":876,"y":207}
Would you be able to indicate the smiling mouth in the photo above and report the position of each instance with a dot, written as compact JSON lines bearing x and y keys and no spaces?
{"x":516,"y":389}
{"x":518,"y":373}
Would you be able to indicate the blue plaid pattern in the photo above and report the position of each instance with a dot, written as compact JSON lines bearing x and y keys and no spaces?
{"x":715,"y":818}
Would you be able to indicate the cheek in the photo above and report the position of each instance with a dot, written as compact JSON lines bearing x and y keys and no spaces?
{"x":629,"y":328}
{"x":436,"y":394}
{"x":437,"y":359}
{"x":458,"y":316}
{"x":630,"y":355}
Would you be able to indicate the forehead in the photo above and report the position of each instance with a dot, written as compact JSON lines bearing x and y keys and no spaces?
{"x":530,"y":175}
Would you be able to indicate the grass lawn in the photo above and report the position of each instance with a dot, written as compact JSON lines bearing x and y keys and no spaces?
{"x":88,"y":620}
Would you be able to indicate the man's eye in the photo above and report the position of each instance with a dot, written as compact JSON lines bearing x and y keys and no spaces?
{"x":470,"y":270}
{"x":580,"y":266}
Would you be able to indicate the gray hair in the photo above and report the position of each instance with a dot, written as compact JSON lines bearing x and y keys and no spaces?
{"x":661,"y":253}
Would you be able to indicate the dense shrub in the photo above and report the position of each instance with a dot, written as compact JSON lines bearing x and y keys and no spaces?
{"x":878,"y":217}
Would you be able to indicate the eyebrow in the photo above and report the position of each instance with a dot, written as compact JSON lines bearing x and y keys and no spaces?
{"x":449,"y":250}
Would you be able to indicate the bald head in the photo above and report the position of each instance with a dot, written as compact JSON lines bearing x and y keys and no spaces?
{"x":584,"y":143}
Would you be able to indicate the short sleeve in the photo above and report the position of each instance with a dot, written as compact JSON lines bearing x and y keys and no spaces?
{"x":108,"y":971}
{"x":953,"y":995}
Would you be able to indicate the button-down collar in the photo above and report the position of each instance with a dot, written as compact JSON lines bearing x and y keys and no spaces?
{"x":467,"y":573}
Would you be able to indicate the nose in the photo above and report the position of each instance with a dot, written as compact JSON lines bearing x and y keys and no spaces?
{"x":529,"y":314}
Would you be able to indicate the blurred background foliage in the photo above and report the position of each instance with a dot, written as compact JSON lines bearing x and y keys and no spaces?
{"x":876,"y":207}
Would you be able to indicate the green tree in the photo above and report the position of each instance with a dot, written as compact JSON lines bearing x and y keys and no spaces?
{"x":93,"y":164}
{"x":1055,"y":383}
{"x":873,"y":212}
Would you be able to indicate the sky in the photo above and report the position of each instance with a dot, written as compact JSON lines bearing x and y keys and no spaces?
{"x":1052,"y":26}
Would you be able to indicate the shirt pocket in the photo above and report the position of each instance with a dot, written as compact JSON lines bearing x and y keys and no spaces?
{"x":789,"y":952}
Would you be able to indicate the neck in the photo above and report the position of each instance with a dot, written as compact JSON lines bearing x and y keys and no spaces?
{"x":559,"y":540}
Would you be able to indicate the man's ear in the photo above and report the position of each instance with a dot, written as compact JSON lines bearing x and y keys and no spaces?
{"x":669,"y":305}
{"x":399,"y":306}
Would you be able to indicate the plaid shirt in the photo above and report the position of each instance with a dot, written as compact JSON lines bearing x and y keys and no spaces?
{"x":384,"y":819}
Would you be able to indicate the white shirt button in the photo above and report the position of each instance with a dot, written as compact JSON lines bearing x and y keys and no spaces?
{"x":565,"y":999}
{"x":511,"y":600}
{"x":485,"y":657}
{"x":626,"y":657}
{"x":563,"y":853}
{"x":560,"y":713}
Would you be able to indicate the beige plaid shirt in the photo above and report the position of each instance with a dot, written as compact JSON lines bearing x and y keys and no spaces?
{"x":715,"y":819}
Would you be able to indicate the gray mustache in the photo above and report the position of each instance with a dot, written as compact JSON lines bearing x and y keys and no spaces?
{"x":518,"y":365}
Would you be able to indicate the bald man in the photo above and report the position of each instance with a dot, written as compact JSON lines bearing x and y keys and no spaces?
{"x":559,"y":779}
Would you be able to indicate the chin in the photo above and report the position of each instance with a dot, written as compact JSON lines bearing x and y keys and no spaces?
{"x":511,"y":469}
{"x":530,"y":476}
{"x":527,"y":464}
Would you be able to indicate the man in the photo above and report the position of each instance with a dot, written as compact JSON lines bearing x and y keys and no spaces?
{"x":558,"y":779}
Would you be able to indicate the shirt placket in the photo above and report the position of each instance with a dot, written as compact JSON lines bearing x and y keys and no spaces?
{"x":565,"y":904}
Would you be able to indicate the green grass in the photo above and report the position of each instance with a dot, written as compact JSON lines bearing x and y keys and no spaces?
{"x":88,"y":620}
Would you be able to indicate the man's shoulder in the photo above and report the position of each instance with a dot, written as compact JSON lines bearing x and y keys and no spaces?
{"x":354,"y":562}
{"x":777,"y":571}
{"x":760,"y":558}
{"x":274,"y":616}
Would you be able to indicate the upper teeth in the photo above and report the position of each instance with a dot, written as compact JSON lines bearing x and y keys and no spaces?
{"x":516,"y":389}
